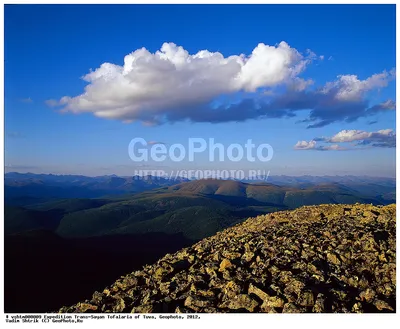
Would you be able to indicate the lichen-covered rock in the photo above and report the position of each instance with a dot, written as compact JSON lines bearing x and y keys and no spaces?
{"x":328,"y":258}
{"x":225,"y":264}
{"x":290,"y":308}
{"x":367,"y":295}
{"x":381,"y":305}
{"x":319,"y":306}
{"x":306,"y":298}
{"x":332,"y":258}
{"x":239,"y":302}
{"x":271,"y":302}
{"x":197,"y":302}
{"x":258,"y":292}
{"x":85,"y":307}
{"x":147,"y":308}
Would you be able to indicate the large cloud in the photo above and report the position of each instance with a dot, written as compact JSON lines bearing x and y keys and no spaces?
{"x":170,"y":81}
{"x":173,"y":85}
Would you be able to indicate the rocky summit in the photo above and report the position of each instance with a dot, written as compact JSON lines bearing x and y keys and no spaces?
{"x":328,"y":258}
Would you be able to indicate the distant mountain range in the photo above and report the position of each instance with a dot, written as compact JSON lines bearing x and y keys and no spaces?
{"x":23,"y":189}
{"x":196,"y":209}
{"x":28,"y":188}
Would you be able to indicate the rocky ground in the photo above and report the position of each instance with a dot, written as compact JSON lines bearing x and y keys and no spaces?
{"x":328,"y":258}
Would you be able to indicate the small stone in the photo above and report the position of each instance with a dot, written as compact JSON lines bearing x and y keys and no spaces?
{"x":367,"y":295}
{"x":274,"y":301}
{"x":248,"y":256}
{"x":97,"y":298}
{"x":231,"y":289}
{"x":267,"y":309}
{"x":357,"y":308}
{"x":240,"y":302}
{"x":195,"y":302}
{"x":231,"y":255}
{"x":258,"y":292}
{"x":211,"y":272}
{"x":225,"y":264}
{"x":119,"y":306}
{"x":148,"y":308}
{"x":306,"y":298}
{"x":290,"y":308}
{"x":161,"y":272}
{"x":332,"y":258}
{"x":294,"y":286}
{"x":381,"y":305}
{"x":319,"y":306}
{"x":84,"y":307}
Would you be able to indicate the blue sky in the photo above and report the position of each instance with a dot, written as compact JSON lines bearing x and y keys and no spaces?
{"x":48,"y":49}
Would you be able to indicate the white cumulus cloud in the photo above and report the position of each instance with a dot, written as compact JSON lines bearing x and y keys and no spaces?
{"x":358,"y":135}
{"x":350,"y":88}
{"x":348,"y":136}
{"x":149,"y":85}
{"x":380,"y":138}
{"x":304,"y":145}
{"x":312,"y":145}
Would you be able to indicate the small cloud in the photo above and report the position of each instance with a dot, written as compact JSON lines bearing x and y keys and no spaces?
{"x":321,"y":57}
{"x":312,"y":145}
{"x":372,"y":122}
{"x":304,"y":145}
{"x":330,"y":58}
{"x":26,"y":100}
